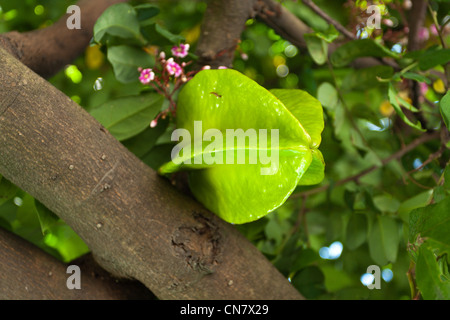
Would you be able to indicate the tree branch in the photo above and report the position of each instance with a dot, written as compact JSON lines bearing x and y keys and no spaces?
{"x":283,"y":22}
{"x":415,"y":23}
{"x":291,"y":28}
{"x":62,"y":45}
{"x":328,"y":19}
{"x":221,"y":32}
{"x":137,"y":225}
{"x":30,"y":273}
{"x":398,"y":155}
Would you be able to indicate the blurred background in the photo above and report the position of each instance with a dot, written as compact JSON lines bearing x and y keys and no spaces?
{"x":320,"y":239}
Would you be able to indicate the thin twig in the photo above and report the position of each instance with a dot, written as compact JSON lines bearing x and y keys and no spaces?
{"x":433,"y":156}
{"x":441,"y":38}
{"x":330,"y":20}
{"x":398,"y":155}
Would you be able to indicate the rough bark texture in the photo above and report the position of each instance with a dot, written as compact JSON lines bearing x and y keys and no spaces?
{"x":47,"y":50}
{"x":27,"y":272}
{"x":282,"y":21}
{"x":221,"y":31}
{"x":137,"y":225}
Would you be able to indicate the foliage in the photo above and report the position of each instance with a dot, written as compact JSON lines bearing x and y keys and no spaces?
{"x":246,"y":188}
{"x":373,"y":205}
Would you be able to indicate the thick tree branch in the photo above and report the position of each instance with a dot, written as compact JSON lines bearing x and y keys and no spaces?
{"x":223,"y":24}
{"x":27,"y":272}
{"x":136,"y":224}
{"x":415,"y":23}
{"x":48,"y":50}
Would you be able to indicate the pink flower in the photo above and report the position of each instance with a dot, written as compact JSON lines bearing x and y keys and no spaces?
{"x":222,"y":67}
{"x":173,"y":68}
{"x":424,"y":34}
{"x":433,"y":30}
{"x":206,"y":67}
{"x":146,"y":76}
{"x":154,"y":123}
{"x":423,"y":88}
{"x":181,"y":51}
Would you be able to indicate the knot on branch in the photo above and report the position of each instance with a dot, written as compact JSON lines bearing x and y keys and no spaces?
{"x":199,"y":244}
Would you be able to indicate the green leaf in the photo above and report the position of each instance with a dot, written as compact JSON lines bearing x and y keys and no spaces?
{"x":420,"y":200}
{"x":328,"y":95}
{"x":317,"y":48}
{"x":444,"y":106}
{"x":158,"y":155}
{"x":306,"y":109}
{"x":7,"y":190}
{"x":118,"y":20}
{"x":386,"y":203}
{"x":336,"y":279}
{"x":383,"y":240}
{"x":59,"y":236}
{"x":304,"y":258}
{"x":126,"y":60}
{"x":146,"y":11}
{"x":330,"y":35}
{"x":432,"y":223}
{"x":447,"y":178}
{"x":142,"y":143}
{"x":228,"y":102}
{"x":359,"y":48}
{"x":429,"y":278}
{"x":356,"y":233}
{"x":434,"y":57}
{"x":27,"y":223}
{"x":310,"y":282}
{"x":128,"y":116}
{"x":367,"y":78}
{"x":62,"y":238}
{"x":316,"y":171}
{"x":47,"y":218}
{"x":395,"y":101}
{"x":157,"y":34}
{"x":417,"y":77}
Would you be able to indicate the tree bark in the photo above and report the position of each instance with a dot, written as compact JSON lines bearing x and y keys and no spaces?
{"x":62,"y":45}
{"x":221,"y":32}
{"x":27,"y":272}
{"x":137,"y":225}
{"x":283,"y":22}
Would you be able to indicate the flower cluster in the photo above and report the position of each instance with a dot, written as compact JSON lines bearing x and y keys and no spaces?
{"x":167,"y":76}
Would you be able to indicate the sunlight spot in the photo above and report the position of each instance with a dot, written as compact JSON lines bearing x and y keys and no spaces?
{"x":291,"y":51}
{"x":73,"y":74}
{"x":417,"y":163}
{"x":387,"y":275}
{"x":397,"y":48}
{"x":98,"y":84}
{"x":38,"y":10}
{"x":367,"y":278}
{"x":282,"y":70}
{"x":18,"y":201}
